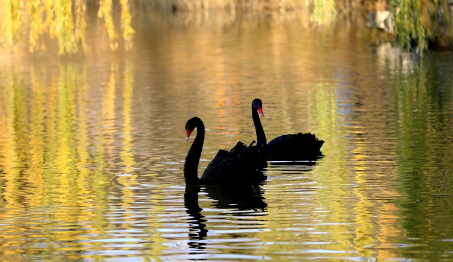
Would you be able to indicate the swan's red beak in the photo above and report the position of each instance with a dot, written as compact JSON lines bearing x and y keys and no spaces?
{"x":188,"y":134}
{"x":260,"y":110}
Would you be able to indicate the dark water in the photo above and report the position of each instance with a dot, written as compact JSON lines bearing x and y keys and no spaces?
{"x":92,"y":147}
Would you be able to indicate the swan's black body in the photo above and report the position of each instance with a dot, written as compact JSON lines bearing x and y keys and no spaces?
{"x":287,"y":147}
{"x":239,"y":165}
{"x":295,"y":147}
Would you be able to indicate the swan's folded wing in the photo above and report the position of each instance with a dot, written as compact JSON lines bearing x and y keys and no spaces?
{"x":210,"y":174}
{"x":241,"y":164}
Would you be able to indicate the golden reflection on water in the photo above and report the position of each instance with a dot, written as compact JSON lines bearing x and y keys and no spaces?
{"x":91,"y":151}
{"x":46,"y":158}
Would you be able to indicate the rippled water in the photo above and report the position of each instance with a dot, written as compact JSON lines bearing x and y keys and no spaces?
{"x":92,"y":147}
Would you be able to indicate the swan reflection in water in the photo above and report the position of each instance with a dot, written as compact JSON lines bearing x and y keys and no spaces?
{"x":232,"y":198}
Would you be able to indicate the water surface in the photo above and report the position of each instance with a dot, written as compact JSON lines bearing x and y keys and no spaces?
{"x":92,"y":147}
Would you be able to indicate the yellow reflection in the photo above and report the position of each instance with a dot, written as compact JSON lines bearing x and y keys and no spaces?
{"x":127,"y":178}
{"x":335,"y":171}
{"x":65,"y":151}
{"x":127,"y":158}
{"x":374,"y":221}
{"x":10,"y":128}
{"x":35,"y":172}
{"x":81,"y":133}
{"x":46,"y":130}
{"x":108,"y":107}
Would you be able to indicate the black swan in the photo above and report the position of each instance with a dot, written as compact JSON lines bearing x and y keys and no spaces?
{"x":287,"y":147}
{"x":239,"y":165}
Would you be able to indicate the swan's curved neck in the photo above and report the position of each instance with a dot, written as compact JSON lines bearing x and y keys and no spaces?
{"x":193,"y":157}
{"x":260,"y":136}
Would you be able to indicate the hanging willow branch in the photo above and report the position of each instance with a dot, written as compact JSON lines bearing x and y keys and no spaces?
{"x":63,"y":20}
{"x":128,"y":32}
{"x":417,"y":22}
{"x":11,"y":23}
{"x":105,"y":11}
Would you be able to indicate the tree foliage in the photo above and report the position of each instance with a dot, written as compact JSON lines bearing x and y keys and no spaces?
{"x":416,"y":23}
{"x":419,"y":22}
{"x":63,"y":20}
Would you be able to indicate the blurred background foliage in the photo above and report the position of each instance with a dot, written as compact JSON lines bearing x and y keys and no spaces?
{"x":420,"y":23}
{"x":63,"y":20}
{"x":415,"y":23}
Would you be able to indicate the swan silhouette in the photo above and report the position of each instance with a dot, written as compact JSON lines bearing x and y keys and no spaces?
{"x":242,"y":198}
{"x":301,"y":146}
{"x":239,"y":165}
